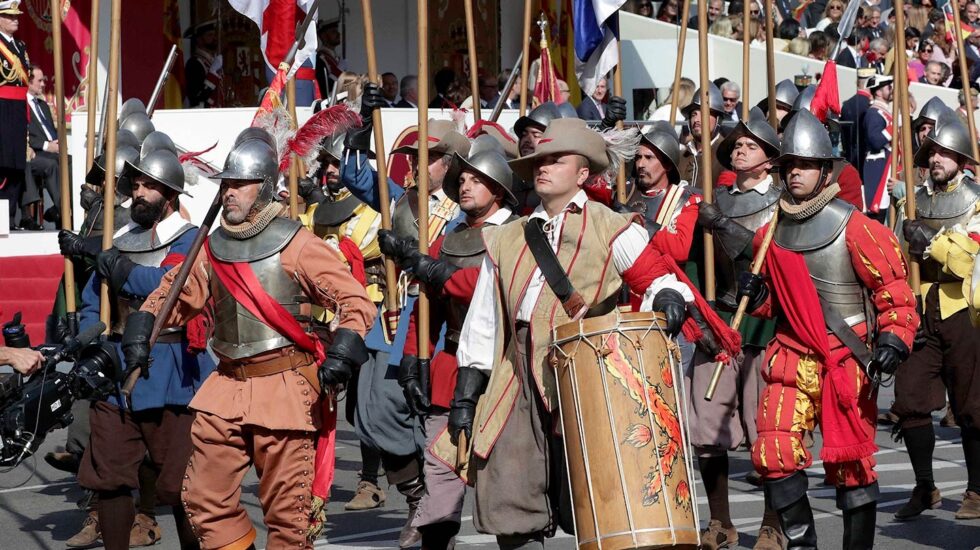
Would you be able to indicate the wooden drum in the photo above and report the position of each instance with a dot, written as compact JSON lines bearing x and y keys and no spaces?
{"x":626,"y":446}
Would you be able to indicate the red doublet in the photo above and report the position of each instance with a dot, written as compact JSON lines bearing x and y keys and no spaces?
{"x":805,"y":384}
{"x":676,"y":243}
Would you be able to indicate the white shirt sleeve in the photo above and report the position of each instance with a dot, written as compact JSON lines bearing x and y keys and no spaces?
{"x":478,"y":339}
{"x":627,"y":248}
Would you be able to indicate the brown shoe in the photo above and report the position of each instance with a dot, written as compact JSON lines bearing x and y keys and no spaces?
{"x":716,"y":536}
{"x":769,"y":539}
{"x":367,"y":497}
{"x":970,"y":509}
{"x":923,"y":498}
{"x":948,"y":421}
{"x":145,"y":532}
{"x":89,"y":535}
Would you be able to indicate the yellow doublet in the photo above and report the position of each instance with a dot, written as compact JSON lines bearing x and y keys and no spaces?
{"x":957,"y":252}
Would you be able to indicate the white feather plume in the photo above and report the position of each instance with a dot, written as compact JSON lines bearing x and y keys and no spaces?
{"x":621,"y":146}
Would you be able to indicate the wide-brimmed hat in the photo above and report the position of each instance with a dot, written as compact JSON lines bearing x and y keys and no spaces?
{"x":443,"y":140}
{"x":486,"y":158}
{"x":565,"y":136}
{"x":756,"y":127}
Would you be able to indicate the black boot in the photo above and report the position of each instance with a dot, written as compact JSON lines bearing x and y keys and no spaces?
{"x":787,"y":497}
{"x":439,"y":536}
{"x":413,"y":490}
{"x":860,"y":508}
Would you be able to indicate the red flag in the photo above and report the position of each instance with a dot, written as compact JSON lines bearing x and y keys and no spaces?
{"x":827,"y":96}
{"x":546,"y":84}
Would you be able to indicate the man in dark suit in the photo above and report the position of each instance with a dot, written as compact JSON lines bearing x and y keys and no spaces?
{"x":592,"y":107}
{"x":852,"y":116}
{"x":42,"y":136}
{"x":14,"y":64}
{"x":853,"y":55}
{"x":444,"y":79}
{"x":409,"y":90}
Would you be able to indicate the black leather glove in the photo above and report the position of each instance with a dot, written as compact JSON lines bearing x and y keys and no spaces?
{"x":114,"y":268}
{"x":735,"y":239}
{"x":346,"y":353}
{"x":434,"y":273}
{"x":710,"y":216}
{"x":620,"y":207}
{"x":78,"y":247}
{"x":671,"y":303}
{"x":402,"y":251}
{"x":470,"y":385}
{"x":919,"y":339}
{"x":311,"y":192}
{"x":918,"y":235}
{"x":708,"y":344}
{"x":371,"y":99}
{"x":57,"y":328}
{"x":410,"y":379}
{"x":136,"y":342}
{"x":615,"y":112}
{"x":90,"y":198}
{"x":753,"y":286}
{"x":890,"y":351}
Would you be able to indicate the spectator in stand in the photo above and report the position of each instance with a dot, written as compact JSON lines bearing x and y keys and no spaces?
{"x":875,"y":56}
{"x":594,"y":106}
{"x":643,"y":7}
{"x":443,"y":80}
{"x":923,"y":55}
{"x":730,"y":94}
{"x":513,"y":100}
{"x":917,"y":18}
{"x":944,"y":51}
{"x":723,"y":27}
{"x":669,"y":11}
{"x":685,"y":94}
{"x":857,"y":44}
{"x":819,"y":45}
{"x":912,"y":39}
{"x":971,"y":13}
{"x":488,"y":90}
{"x":409,"y":90}
{"x":831,"y":14}
{"x":799,"y":46}
{"x":716,"y":10}
{"x":389,"y":88}
{"x":874,"y":21}
{"x":935,"y":74}
{"x":42,"y":136}
{"x":563,"y":91}
{"x":789,"y":29}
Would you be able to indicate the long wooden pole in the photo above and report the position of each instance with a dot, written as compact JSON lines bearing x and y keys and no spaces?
{"x":618,"y":90}
{"x":92,"y":92}
{"x":293,"y":169}
{"x":109,"y":187}
{"x":901,"y":86}
{"x":965,"y":79}
{"x":507,"y":88}
{"x":707,"y":179}
{"x":771,"y":67}
{"x":525,"y":58}
{"x":391,"y":281}
{"x":746,"y":41}
{"x":59,"y":97}
{"x":743,"y":304}
{"x":474,"y":66}
{"x":679,"y":62}
{"x":423,"y":175}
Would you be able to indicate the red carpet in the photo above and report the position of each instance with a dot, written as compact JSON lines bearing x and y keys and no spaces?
{"x":28,"y":284}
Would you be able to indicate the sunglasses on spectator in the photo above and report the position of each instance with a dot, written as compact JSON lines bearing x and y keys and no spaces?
{"x":730,"y":99}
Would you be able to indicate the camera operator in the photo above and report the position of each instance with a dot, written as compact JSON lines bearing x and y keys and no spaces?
{"x":157,"y":421}
{"x":23,"y":360}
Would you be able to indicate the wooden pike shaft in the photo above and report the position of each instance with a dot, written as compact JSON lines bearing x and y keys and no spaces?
{"x":965,"y":79}
{"x":771,"y":67}
{"x":901,"y":64}
{"x":679,"y":63}
{"x":707,"y":178}
{"x":525,"y":61}
{"x":423,"y":164}
{"x":743,"y":304}
{"x":391,"y":281}
{"x":92,"y":92}
{"x":59,"y":96}
{"x":109,"y":188}
{"x":474,"y":66}
{"x":618,"y":90}
{"x":293,"y":163}
{"x":746,"y":41}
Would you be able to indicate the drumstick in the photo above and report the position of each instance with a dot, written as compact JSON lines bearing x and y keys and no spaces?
{"x":743,"y":304}
{"x":461,"y":449}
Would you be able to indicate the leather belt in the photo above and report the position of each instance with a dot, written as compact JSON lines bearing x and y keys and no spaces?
{"x":269,"y":363}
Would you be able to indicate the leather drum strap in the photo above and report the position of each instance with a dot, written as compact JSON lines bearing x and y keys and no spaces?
{"x":571,"y":301}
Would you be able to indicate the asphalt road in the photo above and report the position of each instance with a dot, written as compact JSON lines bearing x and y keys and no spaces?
{"x":37,"y":504}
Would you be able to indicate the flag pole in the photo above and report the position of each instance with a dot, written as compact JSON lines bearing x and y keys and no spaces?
{"x":679,"y":63}
{"x":525,"y":57}
{"x":109,"y":187}
{"x":901,"y":84}
{"x":964,"y":78}
{"x":422,"y":180}
{"x":707,"y":179}
{"x":770,"y":68}
{"x":618,"y":90}
{"x":59,"y":97}
{"x":746,"y":40}
{"x":92,"y":93}
{"x":471,"y":50}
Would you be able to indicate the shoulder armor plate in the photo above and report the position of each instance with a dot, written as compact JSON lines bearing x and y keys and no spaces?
{"x":333,"y":213}
{"x":740,"y":205}
{"x":271,"y":240}
{"x":816,"y":231}
{"x":145,"y":240}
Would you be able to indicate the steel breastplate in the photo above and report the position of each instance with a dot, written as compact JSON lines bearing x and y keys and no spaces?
{"x":144,"y":248}
{"x":751,"y":210}
{"x":405,"y":215}
{"x":332,"y":214}
{"x":822,"y":240}
{"x":648,"y":207}
{"x":238,"y":333}
{"x":269,"y":241}
{"x":940,"y":210}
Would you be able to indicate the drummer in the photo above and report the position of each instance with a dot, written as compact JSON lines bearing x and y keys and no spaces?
{"x":516,"y":457}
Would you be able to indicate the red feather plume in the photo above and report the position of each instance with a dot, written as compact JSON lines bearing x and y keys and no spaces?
{"x":306,"y":141}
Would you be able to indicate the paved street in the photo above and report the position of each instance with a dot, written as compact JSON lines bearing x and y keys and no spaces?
{"x":42,"y":514}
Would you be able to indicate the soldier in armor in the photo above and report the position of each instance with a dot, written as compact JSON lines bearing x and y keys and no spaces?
{"x":482,"y":184}
{"x":384,"y":420}
{"x":835,"y":281}
{"x":786,"y":93}
{"x":350,"y":226}
{"x":718,"y":425}
{"x":262,"y":272}
{"x":946,"y":357}
{"x":690,"y":164}
{"x":156,"y":422}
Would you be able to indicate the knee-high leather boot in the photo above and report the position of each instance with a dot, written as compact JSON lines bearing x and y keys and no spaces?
{"x":787,"y":496}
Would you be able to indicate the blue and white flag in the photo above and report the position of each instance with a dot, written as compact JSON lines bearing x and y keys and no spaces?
{"x":596,"y":40}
